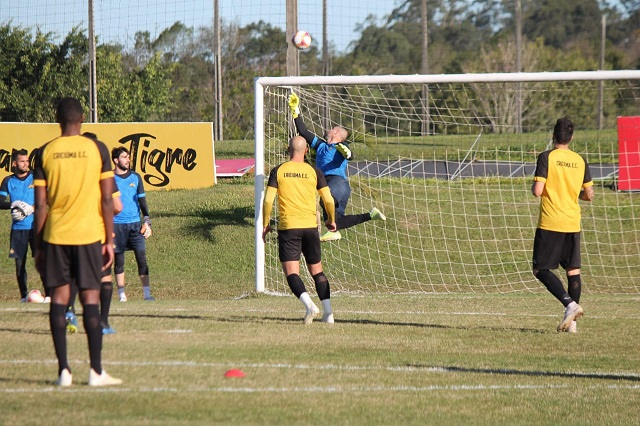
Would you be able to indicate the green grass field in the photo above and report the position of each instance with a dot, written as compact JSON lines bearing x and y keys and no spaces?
{"x":389,"y":359}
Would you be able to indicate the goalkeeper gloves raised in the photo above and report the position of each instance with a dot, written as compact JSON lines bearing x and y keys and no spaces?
{"x":294,"y":105}
{"x":20,"y":210}
{"x":343,"y":149}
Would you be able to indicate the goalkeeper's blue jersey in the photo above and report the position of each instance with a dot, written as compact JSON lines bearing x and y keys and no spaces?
{"x":19,"y":190}
{"x":328,"y":159}
{"x":131,"y":190}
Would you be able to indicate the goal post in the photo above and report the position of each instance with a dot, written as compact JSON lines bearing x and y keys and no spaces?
{"x":461,"y":217}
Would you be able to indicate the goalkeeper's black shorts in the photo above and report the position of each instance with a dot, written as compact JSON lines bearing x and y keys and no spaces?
{"x":293,"y":242}
{"x":20,"y":241}
{"x":128,"y":237}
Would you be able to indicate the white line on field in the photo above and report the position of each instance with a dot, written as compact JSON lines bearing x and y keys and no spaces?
{"x":394,"y":368}
{"x":315,"y":389}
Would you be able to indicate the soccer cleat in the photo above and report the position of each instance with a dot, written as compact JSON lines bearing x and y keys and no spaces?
{"x":108,"y":330}
{"x":103,"y":379}
{"x":327,"y":317}
{"x":312,"y":311}
{"x":123,"y":297}
{"x":47,"y":300}
{"x":150,"y":299}
{"x":65,"y":379}
{"x":377,"y":214}
{"x":573,"y":327}
{"x":23,"y":300}
{"x":72,"y":322}
{"x":331,"y":236}
{"x":571,"y":313}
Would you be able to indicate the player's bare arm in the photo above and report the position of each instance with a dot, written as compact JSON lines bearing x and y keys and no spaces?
{"x":587,"y":194}
{"x":537,"y":188}
{"x":106,"y":190}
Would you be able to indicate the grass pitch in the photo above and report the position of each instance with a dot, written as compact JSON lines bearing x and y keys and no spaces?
{"x":388,"y":359}
{"x":393,"y":359}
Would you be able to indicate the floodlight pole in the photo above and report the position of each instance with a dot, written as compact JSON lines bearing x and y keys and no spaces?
{"x":93,"y":85}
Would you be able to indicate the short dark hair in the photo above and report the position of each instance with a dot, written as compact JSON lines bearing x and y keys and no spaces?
{"x":563,"y":131}
{"x":17,"y":152}
{"x":117,"y":151}
{"x":69,"y":110}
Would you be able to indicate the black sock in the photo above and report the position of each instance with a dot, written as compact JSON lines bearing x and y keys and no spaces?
{"x":106,"y":294}
{"x":322,"y":286}
{"x":296,"y":284}
{"x":91,"y":320}
{"x":58,"y":325}
{"x":575,"y":287}
{"x":73,"y":289}
{"x":554,"y":285}
{"x":348,"y":221}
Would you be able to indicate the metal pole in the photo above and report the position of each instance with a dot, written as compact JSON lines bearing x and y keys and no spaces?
{"x":518,"y":65}
{"x":326,"y":66}
{"x":93,"y":86}
{"x":293,"y":64}
{"x":217,"y":108}
{"x":424,"y":68}
{"x":600,"y":117}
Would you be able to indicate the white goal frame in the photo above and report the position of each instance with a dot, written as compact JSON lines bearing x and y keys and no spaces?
{"x":262,"y":82}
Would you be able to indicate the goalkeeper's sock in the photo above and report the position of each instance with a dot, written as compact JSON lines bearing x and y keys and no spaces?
{"x":146,"y":291}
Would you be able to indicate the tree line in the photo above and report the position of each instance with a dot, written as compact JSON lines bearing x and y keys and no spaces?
{"x":171,"y":77}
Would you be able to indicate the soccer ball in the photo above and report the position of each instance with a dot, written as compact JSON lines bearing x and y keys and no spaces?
{"x":35,"y":296}
{"x":301,"y":40}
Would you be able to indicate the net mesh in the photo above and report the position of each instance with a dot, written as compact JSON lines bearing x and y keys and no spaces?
{"x":456,"y":193}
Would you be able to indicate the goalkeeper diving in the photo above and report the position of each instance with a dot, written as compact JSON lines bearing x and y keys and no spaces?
{"x":332,"y":157}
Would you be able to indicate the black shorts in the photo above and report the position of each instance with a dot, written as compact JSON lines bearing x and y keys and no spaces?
{"x":293,"y":242}
{"x":19,"y":241}
{"x":107,"y":272}
{"x":73,"y":264}
{"x":128,"y":237}
{"x":551,"y":249}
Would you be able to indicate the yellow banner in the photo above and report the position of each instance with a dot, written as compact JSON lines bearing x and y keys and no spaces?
{"x":166,"y":155}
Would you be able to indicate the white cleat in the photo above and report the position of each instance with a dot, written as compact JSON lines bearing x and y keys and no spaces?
{"x":328,"y":318}
{"x":103,"y":379}
{"x":571,"y":313}
{"x":123,"y":297}
{"x":573,"y":327}
{"x":312,"y":312}
{"x":65,"y":379}
{"x":377,"y":214}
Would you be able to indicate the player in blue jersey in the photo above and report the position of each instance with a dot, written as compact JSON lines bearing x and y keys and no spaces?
{"x":332,"y":157}
{"x":131,"y":233}
{"x":17,"y":193}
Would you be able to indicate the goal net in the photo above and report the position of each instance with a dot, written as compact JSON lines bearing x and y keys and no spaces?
{"x":449,"y":159}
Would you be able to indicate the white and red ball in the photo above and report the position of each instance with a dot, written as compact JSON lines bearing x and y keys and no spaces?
{"x":35,"y":296}
{"x":301,"y":40}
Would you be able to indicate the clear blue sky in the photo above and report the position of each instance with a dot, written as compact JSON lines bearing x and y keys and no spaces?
{"x":119,"y":20}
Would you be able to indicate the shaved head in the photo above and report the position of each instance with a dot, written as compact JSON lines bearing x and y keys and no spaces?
{"x":297,"y":144}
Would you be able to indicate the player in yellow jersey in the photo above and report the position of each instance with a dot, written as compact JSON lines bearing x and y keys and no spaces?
{"x":561,"y":177}
{"x":74,"y":232}
{"x":296,"y":183}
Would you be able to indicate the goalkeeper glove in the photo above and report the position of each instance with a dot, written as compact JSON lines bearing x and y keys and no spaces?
{"x":294,"y":105}
{"x":343,"y":149}
{"x":20,"y":210}
{"x":145,"y":230}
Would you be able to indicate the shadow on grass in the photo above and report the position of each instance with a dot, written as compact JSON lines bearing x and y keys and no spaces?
{"x":532,"y":373}
{"x":23,"y":331}
{"x":212,"y":218}
{"x":383,"y":323}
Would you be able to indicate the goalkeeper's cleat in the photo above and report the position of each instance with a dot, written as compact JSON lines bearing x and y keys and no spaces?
{"x":72,"y":322}
{"x":331,"y":236}
{"x":571,"y":313}
{"x":103,"y":379}
{"x":327,"y":317}
{"x":108,"y":330}
{"x":150,"y":299}
{"x":312,"y":312}
{"x":65,"y":379}
{"x":573,"y":327}
{"x":123,"y":297}
{"x":377,"y":214}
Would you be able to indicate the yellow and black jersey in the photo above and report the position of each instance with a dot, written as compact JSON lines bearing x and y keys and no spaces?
{"x":564,"y":173}
{"x":71,"y":168}
{"x":297,"y":184}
